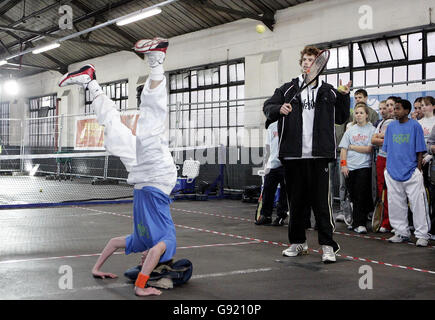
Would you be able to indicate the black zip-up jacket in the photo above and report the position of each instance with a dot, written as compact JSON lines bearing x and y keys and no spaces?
{"x":330,"y":107}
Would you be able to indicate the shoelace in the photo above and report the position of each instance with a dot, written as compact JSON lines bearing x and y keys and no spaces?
{"x":154,"y":58}
{"x":327,"y":250}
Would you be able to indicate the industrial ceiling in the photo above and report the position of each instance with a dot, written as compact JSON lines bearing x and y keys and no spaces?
{"x":25,"y":25}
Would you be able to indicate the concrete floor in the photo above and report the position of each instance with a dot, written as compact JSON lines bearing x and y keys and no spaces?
{"x":233,"y":258}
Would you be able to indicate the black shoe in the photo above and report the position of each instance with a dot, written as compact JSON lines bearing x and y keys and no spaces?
{"x":278,"y":222}
{"x":263,"y":220}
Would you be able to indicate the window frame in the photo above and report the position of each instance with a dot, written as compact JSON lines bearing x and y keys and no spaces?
{"x":4,"y":125}
{"x":118,"y":101}
{"x":37,"y":136}
{"x":351,"y":69}
{"x":193,"y":106}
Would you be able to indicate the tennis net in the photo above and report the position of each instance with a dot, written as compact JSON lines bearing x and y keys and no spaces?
{"x":62,"y":178}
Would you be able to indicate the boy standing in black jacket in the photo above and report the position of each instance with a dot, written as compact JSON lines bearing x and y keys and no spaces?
{"x":306,"y":146}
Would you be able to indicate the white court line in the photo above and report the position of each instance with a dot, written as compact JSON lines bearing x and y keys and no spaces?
{"x":122,"y":285}
{"x":119,"y":252}
{"x":224,"y":274}
{"x":51,"y":215}
{"x":277,"y":243}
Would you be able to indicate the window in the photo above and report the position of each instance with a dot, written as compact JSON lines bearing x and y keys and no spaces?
{"x":116,"y":91}
{"x":394,"y":60}
{"x":42,"y":124}
{"x":211,"y":104}
{"x":4,"y":123}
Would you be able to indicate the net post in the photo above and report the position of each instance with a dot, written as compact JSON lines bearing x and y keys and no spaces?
{"x":22,"y":145}
{"x":106,"y":166}
{"x":60,"y":130}
{"x":177,"y":128}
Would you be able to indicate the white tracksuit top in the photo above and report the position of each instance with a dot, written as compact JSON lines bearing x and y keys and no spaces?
{"x":146,"y":156}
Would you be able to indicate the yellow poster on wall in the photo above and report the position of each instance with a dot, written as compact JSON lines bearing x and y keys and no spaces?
{"x":89,"y":135}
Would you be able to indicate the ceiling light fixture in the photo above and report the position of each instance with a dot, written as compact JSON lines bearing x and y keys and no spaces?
{"x":139,"y":15}
{"x":11,"y":87}
{"x":46,"y":48}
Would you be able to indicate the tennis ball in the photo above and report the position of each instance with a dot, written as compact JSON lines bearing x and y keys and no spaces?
{"x":341,"y":88}
{"x":260,"y":28}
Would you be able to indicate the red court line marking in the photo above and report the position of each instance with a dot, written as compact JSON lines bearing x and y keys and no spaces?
{"x":275,"y":243}
{"x":213,"y":214}
{"x":313,"y":250}
{"x":250,"y":220}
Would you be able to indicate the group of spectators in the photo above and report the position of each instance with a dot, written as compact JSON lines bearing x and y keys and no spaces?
{"x":391,"y":151}
{"x":398,"y":149}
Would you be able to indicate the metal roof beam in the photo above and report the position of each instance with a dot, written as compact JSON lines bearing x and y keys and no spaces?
{"x":8,"y":6}
{"x":87,"y":16}
{"x":37,"y":13}
{"x":208,"y":5}
{"x":264,"y":17}
{"x":268,"y":15}
{"x":102,"y":25}
{"x":43,"y":34}
{"x":4,"y":47}
{"x":26,"y":65}
{"x":112,"y":27}
{"x":63,"y":68}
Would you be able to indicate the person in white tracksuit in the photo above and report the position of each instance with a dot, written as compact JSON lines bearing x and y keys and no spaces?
{"x":404,"y":144}
{"x":145,"y":155}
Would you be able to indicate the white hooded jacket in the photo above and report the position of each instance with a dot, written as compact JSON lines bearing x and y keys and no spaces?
{"x":146,"y":156}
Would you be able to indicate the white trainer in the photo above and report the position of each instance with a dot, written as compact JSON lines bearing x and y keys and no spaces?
{"x":421,"y":242}
{"x":156,"y":44}
{"x":296,"y":249}
{"x":328,"y":255}
{"x":82,"y":76}
{"x":361,"y":230}
{"x":154,"y":49}
{"x":397,"y":238}
{"x":339,"y":217}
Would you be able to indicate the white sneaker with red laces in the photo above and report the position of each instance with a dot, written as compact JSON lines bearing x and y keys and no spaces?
{"x":156,"y":44}
{"x":155,"y":50}
{"x":83,"y":76}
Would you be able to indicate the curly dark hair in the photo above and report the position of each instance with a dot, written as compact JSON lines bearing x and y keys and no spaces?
{"x":309,"y":50}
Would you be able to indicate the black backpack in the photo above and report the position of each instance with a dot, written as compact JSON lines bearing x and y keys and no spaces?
{"x":179,"y":272}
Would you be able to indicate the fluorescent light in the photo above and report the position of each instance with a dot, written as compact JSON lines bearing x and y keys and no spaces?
{"x":11,"y":87}
{"x":46,"y":48}
{"x":2,"y":62}
{"x":142,"y":14}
